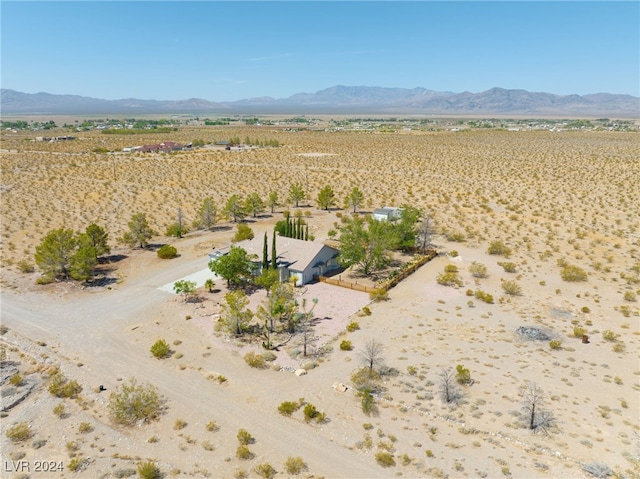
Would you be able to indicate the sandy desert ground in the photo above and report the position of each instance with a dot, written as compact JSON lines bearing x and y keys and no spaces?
{"x":568,"y":196}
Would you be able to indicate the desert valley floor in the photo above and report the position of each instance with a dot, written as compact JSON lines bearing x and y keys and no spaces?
{"x":552,"y":197}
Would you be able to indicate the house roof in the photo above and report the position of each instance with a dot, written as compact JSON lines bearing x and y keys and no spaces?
{"x":293,"y":253}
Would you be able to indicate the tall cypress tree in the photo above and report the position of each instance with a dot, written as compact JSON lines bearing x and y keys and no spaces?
{"x":265,"y":258}
{"x":306,"y":232}
{"x":274,"y":258}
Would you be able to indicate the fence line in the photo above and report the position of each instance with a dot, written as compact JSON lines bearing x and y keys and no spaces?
{"x":346,"y":284}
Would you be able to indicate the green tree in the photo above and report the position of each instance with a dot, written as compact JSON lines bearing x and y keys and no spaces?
{"x":296,"y":194}
{"x":63,"y":255}
{"x":99,"y":239}
{"x":274,"y":255}
{"x":272,"y":201}
{"x":234,"y":266}
{"x":326,"y":198}
{"x":139,"y":232}
{"x":279,"y":307}
{"x":268,"y":278}
{"x":265,"y":253}
{"x":206,"y":215}
{"x":234,"y":208}
{"x":354,"y":199}
{"x":243,"y":232}
{"x":405,"y":229}
{"x":254,"y":204}
{"x":365,"y":244}
{"x":234,"y":313}
{"x":185,"y":288}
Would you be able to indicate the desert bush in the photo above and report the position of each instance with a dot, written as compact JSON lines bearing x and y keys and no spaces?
{"x":497,"y":247}
{"x":379,"y":294}
{"x":76,"y":464}
{"x":579,"y":331}
{"x":60,"y":410}
{"x":243,"y":452}
{"x":167,"y":252}
{"x":449,"y":279}
{"x":353,"y":326}
{"x":366,"y":311}
{"x":19,"y":432}
{"x":61,"y":387}
{"x":177,"y":230}
{"x":179,"y":424}
{"x":212,"y":426}
{"x":585,"y":309}
{"x":368,"y":402}
{"x":85,"y":427}
{"x":385,"y":459}
{"x":311,"y":413}
{"x":16,"y":380}
{"x":478,"y":270}
{"x":609,"y":335}
{"x":508,"y":266}
{"x":365,"y":378}
{"x":463,"y":375}
{"x":346,"y":345}
{"x":25,"y":266}
{"x":148,"y":470}
{"x":572,"y":273}
{"x":160,"y":349}
{"x":455,"y":237}
{"x":629,"y":296}
{"x":255,"y":360}
{"x":482,"y":296}
{"x":619,"y":347}
{"x":265,"y":470}
{"x":294,"y":465}
{"x":134,"y":402}
{"x":511,"y":288}
{"x":555,"y":344}
{"x":244,"y":437}
{"x":243,"y":232}
{"x":287,"y":408}
{"x":451,"y":268}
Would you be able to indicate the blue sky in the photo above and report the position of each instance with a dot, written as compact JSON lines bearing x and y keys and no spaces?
{"x":222,"y":51}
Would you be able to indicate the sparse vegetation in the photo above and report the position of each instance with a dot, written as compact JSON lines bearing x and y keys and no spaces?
{"x":133,"y":403}
{"x":160,"y":349}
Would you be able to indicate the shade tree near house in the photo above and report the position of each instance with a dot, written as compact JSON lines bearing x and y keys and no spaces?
{"x":365,"y":244}
{"x":235,"y":266}
{"x":235,"y":315}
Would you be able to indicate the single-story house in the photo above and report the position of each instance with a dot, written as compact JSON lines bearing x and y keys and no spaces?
{"x":388,"y":213}
{"x":304,"y":259}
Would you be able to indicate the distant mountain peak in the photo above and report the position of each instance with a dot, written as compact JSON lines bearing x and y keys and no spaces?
{"x":343,"y":99}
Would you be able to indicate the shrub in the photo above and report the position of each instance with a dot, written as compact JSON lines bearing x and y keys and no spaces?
{"x":76,"y":464}
{"x":160,"y":349}
{"x":451,"y":268}
{"x":629,"y":296}
{"x":579,"y":331}
{"x":61,"y":387}
{"x":609,"y":335}
{"x":265,"y":470}
{"x":511,"y":288}
{"x":287,"y":408}
{"x":507,"y":266}
{"x":449,"y":279}
{"x":243,"y":452}
{"x":60,"y":411}
{"x":482,"y":296}
{"x":346,"y":345}
{"x":85,"y":427}
{"x":255,"y":360}
{"x":619,"y":347}
{"x":176,"y":230}
{"x":585,"y":309}
{"x":25,"y":266}
{"x":16,"y":380}
{"x":366,"y":311}
{"x":179,"y":424}
{"x":385,"y":459}
{"x":294,"y":465}
{"x":379,"y":294}
{"x":212,"y":426}
{"x":463,"y":375}
{"x":555,"y":344}
{"x":167,"y":252}
{"x":243,"y":232}
{"x":572,"y":273}
{"x":499,"y":248}
{"x":455,"y":237}
{"x":478,"y":270}
{"x":244,"y":437}
{"x":134,"y":402}
{"x":19,"y":432}
{"x":353,"y":326}
{"x":368,"y":402}
{"x":310,"y":412}
{"x":148,"y":470}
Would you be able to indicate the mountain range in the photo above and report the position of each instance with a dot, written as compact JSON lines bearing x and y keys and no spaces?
{"x":341,"y":100}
